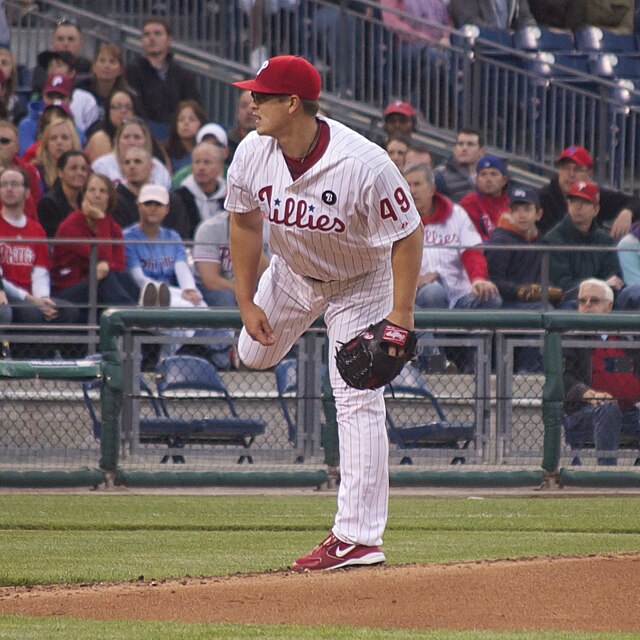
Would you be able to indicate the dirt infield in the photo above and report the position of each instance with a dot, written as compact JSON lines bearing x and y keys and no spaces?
{"x":587,"y":593}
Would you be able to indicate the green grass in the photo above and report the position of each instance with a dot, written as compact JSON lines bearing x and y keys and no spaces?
{"x":90,"y":538}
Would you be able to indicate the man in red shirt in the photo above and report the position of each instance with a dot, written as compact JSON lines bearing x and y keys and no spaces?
{"x":490,"y":199}
{"x":601,"y":385}
{"x":24,"y":264}
{"x":9,"y":146}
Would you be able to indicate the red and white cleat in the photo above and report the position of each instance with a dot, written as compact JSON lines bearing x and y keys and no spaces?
{"x":332,"y":553}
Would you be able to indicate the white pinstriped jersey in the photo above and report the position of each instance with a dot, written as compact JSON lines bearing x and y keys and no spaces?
{"x":456,"y":230}
{"x":354,"y":200}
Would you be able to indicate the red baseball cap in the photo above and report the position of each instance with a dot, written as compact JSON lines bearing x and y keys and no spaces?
{"x":586,"y":191}
{"x":285,"y":75}
{"x":58,"y":83}
{"x":403,"y":108}
{"x":579,"y":155}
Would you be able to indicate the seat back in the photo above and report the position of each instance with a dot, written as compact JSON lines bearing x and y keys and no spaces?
{"x":96,"y":421}
{"x":593,"y":39}
{"x":411,"y":382}
{"x":190,"y":374}
{"x":613,"y":65}
{"x":538,"y":38}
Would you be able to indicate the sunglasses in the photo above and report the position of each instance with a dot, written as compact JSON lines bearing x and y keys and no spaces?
{"x":590,"y":300}
{"x":261,"y":98}
{"x":6,"y":140}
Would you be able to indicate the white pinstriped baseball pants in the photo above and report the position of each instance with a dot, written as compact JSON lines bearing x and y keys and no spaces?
{"x":291,"y":304}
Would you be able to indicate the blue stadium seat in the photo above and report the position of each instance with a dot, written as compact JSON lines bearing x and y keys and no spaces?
{"x":430,"y":429}
{"x":615,"y":65}
{"x":538,"y":38}
{"x":596,"y":40}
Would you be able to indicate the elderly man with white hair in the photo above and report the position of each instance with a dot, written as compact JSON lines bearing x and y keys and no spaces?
{"x":601,"y":384}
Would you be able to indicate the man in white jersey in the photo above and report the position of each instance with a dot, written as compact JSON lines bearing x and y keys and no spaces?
{"x":347,"y":242}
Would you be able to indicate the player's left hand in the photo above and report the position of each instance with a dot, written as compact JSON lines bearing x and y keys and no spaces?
{"x":402,"y":319}
{"x":256,"y":323}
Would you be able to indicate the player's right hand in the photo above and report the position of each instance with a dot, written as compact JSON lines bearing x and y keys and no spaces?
{"x":256,"y":323}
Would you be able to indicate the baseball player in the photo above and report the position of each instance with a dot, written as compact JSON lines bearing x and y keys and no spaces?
{"x":346,"y":241}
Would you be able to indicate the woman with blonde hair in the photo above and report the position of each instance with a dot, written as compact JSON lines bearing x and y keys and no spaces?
{"x":59,"y":135}
{"x":132,"y":132}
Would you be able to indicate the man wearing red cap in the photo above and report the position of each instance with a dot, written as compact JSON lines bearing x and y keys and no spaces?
{"x":347,"y":243}
{"x":567,"y":269}
{"x":617,"y":209}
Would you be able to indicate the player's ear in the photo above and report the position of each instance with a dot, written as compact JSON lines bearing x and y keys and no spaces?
{"x":294,"y":103}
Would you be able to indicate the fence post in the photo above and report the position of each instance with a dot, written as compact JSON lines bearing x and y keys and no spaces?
{"x":552,"y":402}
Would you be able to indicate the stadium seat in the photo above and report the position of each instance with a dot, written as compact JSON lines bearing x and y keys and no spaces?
{"x":596,"y":40}
{"x":431,"y":430}
{"x":614,"y":66}
{"x":183,"y":382}
{"x":538,"y":38}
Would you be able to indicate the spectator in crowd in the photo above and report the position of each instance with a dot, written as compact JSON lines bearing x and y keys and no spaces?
{"x":490,"y":200}
{"x":10,"y":106}
{"x":59,"y":136}
{"x":204,"y":191}
{"x":451,"y":276}
{"x":25,"y":265}
{"x":132,"y":132}
{"x":66,"y":37}
{"x":399,"y":120}
{"x":517,"y":273}
{"x":615,"y":15}
{"x":497,"y":14}
{"x":456,"y":177}
{"x":455,"y":277}
{"x":9,"y":158}
{"x":214,"y":134}
{"x":188,"y":119}
{"x":155,"y":259}
{"x":418,"y":153}
{"x":65,"y":196}
{"x":559,"y":14}
{"x":159,"y":80}
{"x":602,"y":384}
{"x":107,"y":75}
{"x":617,"y":209}
{"x":81,"y":102}
{"x":397,"y":147}
{"x":629,"y":255}
{"x":50,"y":111}
{"x":71,"y":262}
{"x":55,"y":100}
{"x":121,"y":105}
{"x":579,"y":228}
{"x":212,"y":260}
{"x":245,"y":122}
{"x":137,"y":168}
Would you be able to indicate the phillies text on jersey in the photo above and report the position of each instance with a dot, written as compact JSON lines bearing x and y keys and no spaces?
{"x":340,"y":218}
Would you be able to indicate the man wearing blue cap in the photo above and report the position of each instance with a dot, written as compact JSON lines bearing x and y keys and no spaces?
{"x":516,"y":272}
{"x":490,"y":199}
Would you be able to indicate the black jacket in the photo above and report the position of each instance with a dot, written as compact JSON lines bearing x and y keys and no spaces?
{"x":159,"y":97}
{"x":554,"y":206}
{"x":567,"y":269}
{"x":481,"y":12}
{"x":561,"y":14}
{"x":510,"y":268}
{"x":53,"y":208}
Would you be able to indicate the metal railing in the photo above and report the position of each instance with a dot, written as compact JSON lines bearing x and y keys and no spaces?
{"x":527,"y":107}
